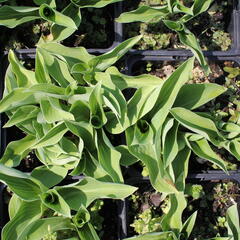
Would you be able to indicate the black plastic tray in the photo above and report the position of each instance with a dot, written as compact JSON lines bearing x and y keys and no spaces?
{"x":193,"y":178}
{"x":118,"y":38}
{"x":130,"y":61}
{"x":133,"y":57}
{"x":234,"y":29}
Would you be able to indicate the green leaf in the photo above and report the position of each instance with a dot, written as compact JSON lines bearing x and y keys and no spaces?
{"x":169,"y":92}
{"x":234,"y":148}
{"x":84,"y":131}
{"x":50,"y":2}
{"x":97,"y":118}
{"x":50,"y":175}
{"x":88,"y":232}
{"x":180,"y":8}
{"x":112,"y":96}
{"x":27,"y":213}
{"x":70,"y":55}
{"x":46,"y":89}
{"x":82,"y":116}
{"x":50,"y":14}
{"x":108,"y":157}
{"x":200,"y":6}
{"x":21,"y":115}
{"x":169,"y":142}
{"x":105,"y":60}
{"x":21,"y":184}
{"x":56,"y":68}
{"x":17,"y":98}
{"x":233,"y":222}
{"x":123,"y":81}
{"x":54,"y":201}
{"x":174,"y":25}
{"x":14,"y":205}
{"x":143,"y":14}
{"x":89,"y":189}
{"x":198,"y":124}
{"x":203,"y":150}
{"x":139,"y":105}
{"x":171,"y":4}
{"x":10,"y":81}
{"x":17,"y":150}
{"x":24,"y":77}
{"x":92,"y":168}
{"x":180,"y":167}
{"x":203,"y":93}
{"x":233,"y":72}
{"x":140,"y":144}
{"x":188,"y":225}
{"x":127,"y":158}
{"x":173,"y":219}
{"x":53,"y":112}
{"x":14,"y":16}
{"x":41,"y":72}
{"x":59,"y":32}
{"x":41,"y":227}
{"x":82,"y":217}
{"x":187,"y":38}
{"x":230,"y":127}
{"x":53,"y":136}
{"x":93,"y":3}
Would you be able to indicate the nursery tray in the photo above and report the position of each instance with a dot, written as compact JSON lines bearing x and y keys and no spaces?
{"x":233,"y":30}
{"x":134,"y":56}
{"x":116,"y":35}
{"x":124,"y":208}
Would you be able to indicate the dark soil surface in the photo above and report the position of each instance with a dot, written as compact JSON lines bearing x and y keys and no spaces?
{"x":213,"y":28}
{"x":210,"y":199}
{"x":95,"y":31}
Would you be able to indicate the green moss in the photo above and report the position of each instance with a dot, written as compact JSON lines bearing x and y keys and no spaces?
{"x":145,"y":223}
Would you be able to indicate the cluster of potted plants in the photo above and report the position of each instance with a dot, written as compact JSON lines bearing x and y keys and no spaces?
{"x":80,"y":128}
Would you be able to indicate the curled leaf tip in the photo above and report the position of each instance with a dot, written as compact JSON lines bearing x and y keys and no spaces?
{"x":96,"y":121}
{"x":50,"y":198}
{"x":47,"y":11}
{"x":82,"y":217}
{"x":143,"y":126}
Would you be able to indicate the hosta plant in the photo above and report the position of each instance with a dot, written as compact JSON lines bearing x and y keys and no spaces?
{"x":61,"y":108}
{"x":173,"y":9}
{"x":173,"y":128}
{"x":63,"y":23}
